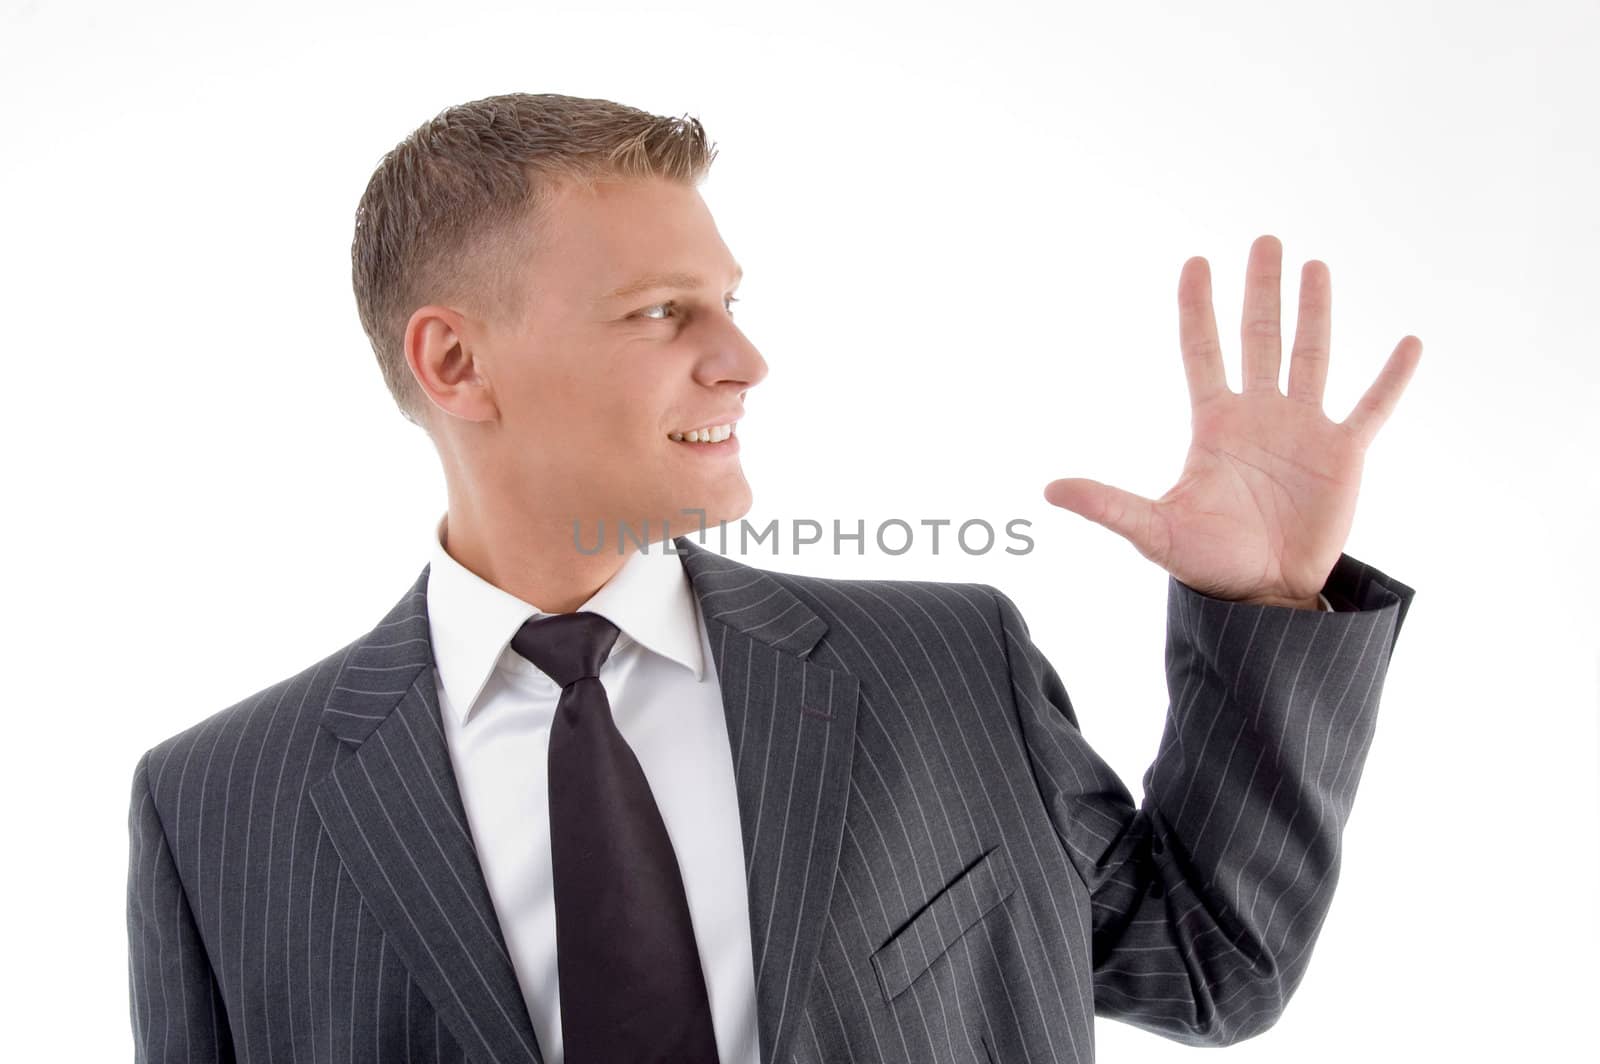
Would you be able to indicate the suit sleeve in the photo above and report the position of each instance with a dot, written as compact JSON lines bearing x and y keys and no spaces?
{"x":175,"y":1005}
{"x":1208,"y":895}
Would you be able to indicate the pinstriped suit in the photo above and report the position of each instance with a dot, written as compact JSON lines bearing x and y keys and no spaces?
{"x":939,"y":866}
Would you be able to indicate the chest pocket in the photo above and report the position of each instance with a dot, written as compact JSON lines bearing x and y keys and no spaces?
{"x":963,"y":902}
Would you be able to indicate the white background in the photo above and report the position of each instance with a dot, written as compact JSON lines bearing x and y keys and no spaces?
{"x":962,"y":229}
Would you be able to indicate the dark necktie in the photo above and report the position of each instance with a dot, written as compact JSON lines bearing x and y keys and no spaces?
{"x":631,"y":985}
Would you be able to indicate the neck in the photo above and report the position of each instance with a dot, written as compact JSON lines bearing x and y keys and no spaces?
{"x":535,"y":559}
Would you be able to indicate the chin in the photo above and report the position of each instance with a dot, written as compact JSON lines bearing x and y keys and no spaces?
{"x":721,"y":506}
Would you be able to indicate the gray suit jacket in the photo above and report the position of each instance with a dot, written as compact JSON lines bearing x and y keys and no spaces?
{"x":939,"y":866}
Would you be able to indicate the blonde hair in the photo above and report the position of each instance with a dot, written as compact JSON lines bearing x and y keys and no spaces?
{"x":453,"y":212}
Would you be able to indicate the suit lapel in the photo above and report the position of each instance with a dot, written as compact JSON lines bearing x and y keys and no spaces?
{"x":391,"y":805}
{"x":791,"y":731}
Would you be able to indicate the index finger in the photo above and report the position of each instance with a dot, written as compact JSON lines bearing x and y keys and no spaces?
{"x":1197,"y":333}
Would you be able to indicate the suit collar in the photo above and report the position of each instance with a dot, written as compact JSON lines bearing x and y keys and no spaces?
{"x":750,"y":601}
{"x":392,"y":807}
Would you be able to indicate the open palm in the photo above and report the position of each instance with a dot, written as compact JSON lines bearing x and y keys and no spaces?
{"x":1268,"y":491}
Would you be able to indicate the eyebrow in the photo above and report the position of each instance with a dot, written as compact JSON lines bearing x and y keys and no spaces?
{"x":675,"y":280}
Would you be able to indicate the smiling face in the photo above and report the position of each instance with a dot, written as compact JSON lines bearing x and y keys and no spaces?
{"x":573,"y":410}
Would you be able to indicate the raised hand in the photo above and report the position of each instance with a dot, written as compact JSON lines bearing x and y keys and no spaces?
{"x":1268,"y":491}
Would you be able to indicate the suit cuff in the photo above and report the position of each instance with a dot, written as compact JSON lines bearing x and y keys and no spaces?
{"x":1352,"y":589}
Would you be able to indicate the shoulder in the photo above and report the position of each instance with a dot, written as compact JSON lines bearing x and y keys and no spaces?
{"x":945,"y":614}
{"x":274,"y":710}
{"x":893,"y":597}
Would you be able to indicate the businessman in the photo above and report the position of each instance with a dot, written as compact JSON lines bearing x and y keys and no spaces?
{"x":656,"y":804}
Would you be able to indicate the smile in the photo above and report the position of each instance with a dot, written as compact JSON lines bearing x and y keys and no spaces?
{"x":709,"y":434}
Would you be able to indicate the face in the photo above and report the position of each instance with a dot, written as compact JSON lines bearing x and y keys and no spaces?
{"x":580,"y":411}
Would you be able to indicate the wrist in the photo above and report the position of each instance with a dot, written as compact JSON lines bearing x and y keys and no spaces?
{"x":1311,"y":602}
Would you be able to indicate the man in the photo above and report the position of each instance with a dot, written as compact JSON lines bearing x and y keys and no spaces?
{"x":657,"y":804}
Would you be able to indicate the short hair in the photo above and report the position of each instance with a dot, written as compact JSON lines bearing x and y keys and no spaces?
{"x":453,"y":212}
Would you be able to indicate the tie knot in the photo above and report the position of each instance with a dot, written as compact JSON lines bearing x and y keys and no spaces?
{"x":566,"y":646}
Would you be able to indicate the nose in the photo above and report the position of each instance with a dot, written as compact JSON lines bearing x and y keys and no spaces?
{"x":736,"y":359}
{"x":758,"y":366}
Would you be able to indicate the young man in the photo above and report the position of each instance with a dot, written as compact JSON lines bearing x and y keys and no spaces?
{"x":563,"y":803}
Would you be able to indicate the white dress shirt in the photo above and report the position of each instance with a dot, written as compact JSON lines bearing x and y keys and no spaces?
{"x":662,"y":684}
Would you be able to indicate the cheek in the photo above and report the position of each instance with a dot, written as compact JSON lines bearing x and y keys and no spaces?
{"x":546,"y":396}
{"x":634,"y":404}
{"x":622,"y":430}
{"x":581,"y":407}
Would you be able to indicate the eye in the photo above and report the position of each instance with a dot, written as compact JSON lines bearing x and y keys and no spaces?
{"x":672,"y":304}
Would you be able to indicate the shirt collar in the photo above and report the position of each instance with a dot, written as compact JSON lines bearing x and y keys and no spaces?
{"x":471,"y":621}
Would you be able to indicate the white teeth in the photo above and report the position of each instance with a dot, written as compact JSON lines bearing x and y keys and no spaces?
{"x":713,"y":434}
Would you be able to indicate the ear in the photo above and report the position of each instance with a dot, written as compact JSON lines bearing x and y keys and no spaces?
{"x":445,"y":364}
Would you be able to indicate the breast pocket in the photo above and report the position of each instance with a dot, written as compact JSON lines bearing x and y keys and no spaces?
{"x":952,"y":912}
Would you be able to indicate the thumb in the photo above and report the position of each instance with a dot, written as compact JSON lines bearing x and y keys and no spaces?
{"x":1128,"y":515}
